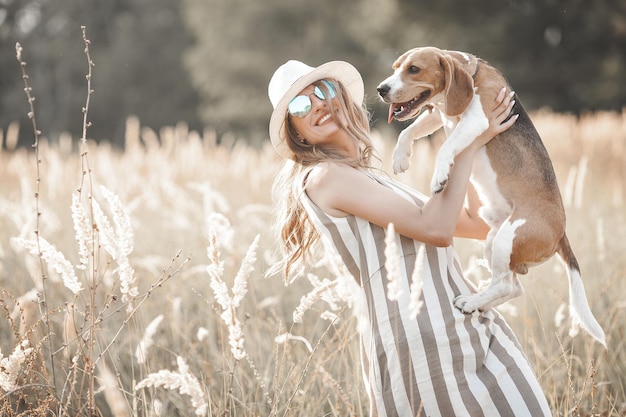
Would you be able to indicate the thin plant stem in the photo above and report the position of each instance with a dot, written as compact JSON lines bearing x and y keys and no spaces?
{"x":37,"y":133}
{"x":308,"y":362}
{"x":154,"y":286}
{"x":86,"y":171}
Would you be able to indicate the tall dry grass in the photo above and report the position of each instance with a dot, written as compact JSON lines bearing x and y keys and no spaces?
{"x":150,"y":298}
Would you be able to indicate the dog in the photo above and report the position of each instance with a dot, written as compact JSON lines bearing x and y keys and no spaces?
{"x":512,"y":174}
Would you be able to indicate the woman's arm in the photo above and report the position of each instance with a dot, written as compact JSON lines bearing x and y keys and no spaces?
{"x":470,"y":224}
{"x":339,"y":190}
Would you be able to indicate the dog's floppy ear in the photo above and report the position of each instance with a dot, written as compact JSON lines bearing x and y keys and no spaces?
{"x":459,"y":86}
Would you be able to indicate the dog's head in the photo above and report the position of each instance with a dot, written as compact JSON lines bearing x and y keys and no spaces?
{"x":424,"y":76}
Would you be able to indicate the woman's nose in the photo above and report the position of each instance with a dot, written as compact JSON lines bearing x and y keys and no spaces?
{"x":317,"y":102}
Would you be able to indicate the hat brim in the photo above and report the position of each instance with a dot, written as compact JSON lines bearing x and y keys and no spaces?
{"x":336,"y":70}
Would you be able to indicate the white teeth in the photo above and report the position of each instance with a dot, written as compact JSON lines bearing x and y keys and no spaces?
{"x":323,"y":119}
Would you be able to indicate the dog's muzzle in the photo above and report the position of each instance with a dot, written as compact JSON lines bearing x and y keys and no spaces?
{"x":383,"y":90}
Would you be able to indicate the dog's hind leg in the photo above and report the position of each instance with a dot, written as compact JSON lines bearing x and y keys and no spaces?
{"x":504,"y":283}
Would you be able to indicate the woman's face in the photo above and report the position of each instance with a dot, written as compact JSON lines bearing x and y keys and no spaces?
{"x":318,"y":127}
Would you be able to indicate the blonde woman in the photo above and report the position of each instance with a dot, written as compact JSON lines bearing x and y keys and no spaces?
{"x":440,"y":362}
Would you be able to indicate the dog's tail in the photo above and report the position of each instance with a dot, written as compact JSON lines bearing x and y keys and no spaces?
{"x":579,"y":306}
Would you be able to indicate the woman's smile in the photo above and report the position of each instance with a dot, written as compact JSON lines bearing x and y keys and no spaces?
{"x":323,"y":119}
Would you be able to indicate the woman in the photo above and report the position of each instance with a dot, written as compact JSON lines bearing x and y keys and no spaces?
{"x":433,"y":362}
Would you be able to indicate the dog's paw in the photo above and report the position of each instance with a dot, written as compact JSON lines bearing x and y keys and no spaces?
{"x":401,"y":161}
{"x":466,"y":303}
{"x":439,"y":181}
{"x":441,"y":175}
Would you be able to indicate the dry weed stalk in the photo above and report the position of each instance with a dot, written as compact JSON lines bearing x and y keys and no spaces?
{"x":146,"y":341}
{"x":91,"y":316}
{"x":36,"y":135}
{"x":320,"y":290}
{"x":96,"y":267}
{"x":229,"y":300}
{"x":112,"y":393}
{"x":183,"y":380}
{"x":85,"y":312}
{"x":282,"y":339}
{"x":11,"y":365}
{"x":392,"y":264}
{"x":416,"y":302}
{"x":327,"y":377}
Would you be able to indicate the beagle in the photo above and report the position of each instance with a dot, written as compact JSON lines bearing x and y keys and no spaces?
{"x":513,"y":173}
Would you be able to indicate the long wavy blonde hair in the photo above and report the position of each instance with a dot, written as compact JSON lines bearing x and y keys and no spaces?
{"x":297,"y":234}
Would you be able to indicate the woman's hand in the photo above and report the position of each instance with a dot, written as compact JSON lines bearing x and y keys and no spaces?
{"x":497,"y":116}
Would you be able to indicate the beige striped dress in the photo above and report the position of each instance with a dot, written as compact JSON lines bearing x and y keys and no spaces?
{"x":442,"y":362}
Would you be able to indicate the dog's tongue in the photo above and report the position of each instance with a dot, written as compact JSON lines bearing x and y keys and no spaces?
{"x":392,"y":106}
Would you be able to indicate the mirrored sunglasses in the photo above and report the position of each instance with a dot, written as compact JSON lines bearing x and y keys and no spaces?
{"x":300,"y":106}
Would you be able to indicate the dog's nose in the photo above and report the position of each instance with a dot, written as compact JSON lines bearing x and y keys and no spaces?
{"x":383,"y":89}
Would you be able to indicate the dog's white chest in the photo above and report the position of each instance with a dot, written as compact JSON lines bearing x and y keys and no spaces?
{"x":449,"y":123}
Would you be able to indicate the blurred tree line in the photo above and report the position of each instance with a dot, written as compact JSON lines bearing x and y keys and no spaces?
{"x":208,"y":62}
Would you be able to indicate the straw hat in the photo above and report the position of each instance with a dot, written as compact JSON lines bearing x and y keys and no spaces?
{"x":291,"y":78}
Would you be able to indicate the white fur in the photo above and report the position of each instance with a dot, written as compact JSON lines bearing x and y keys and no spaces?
{"x":473,"y":122}
{"x":495,"y":208}
{"x":579,"y":307}
{"x":466,"y":56}
{"x":394,"y":81}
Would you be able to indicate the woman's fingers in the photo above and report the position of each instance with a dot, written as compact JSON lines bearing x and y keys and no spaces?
{"x":499,"y":119}
{"x":500,"y":98}
{"x":503,"y":105}
{"x":505,"y":125}
{"x":501,"y":122}
{"x":505,"y":111}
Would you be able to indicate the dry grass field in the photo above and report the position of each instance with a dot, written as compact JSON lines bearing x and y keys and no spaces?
{"x":133,"y":283}
{"x":150,"y":297}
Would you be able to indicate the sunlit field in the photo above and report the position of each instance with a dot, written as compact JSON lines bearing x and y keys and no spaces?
{"x":134,"y":282}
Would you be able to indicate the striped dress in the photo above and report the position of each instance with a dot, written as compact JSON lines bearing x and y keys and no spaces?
{"x":442,"y":362}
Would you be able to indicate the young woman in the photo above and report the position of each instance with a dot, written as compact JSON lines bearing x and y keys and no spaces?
{"x":439,"y":362}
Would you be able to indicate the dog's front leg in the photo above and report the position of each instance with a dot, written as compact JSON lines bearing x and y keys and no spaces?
{"x":473,"y":122}
{"x":425,"y":124}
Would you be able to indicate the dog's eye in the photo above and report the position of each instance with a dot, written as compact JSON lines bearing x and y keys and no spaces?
{"x":413,"y":69}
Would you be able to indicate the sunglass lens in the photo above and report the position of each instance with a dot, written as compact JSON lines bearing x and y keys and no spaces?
{"x":331,"y":88}
{"x":319,"y":93}
{"x":300,"y":106}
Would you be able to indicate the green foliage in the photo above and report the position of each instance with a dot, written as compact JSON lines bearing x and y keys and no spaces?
{"x":208,"y":61}
{"x":138,"y":59}
{"x":240,"y":43}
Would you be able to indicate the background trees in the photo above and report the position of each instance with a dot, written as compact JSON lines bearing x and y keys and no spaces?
{"x":207,"y":62}
{"x":137,"y":48}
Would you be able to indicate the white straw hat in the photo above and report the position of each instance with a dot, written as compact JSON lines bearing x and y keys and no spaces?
{"x":291,"y":78}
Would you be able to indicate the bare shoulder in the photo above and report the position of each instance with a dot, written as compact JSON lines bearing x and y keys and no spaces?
{"x":328,"y":182}
{"x":326,"y":173}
